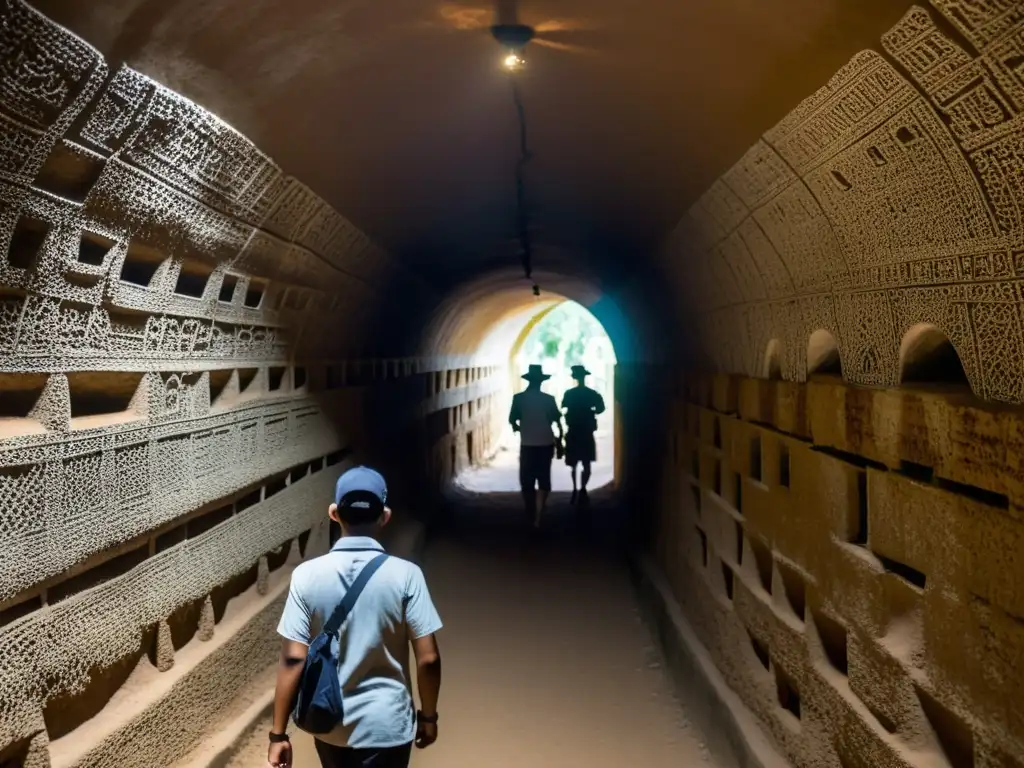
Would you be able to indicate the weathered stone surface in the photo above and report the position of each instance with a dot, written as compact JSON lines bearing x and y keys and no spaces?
{"x":174,"y":314}
{"x":877,"y":584}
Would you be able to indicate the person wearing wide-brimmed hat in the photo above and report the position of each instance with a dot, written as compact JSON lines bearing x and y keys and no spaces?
{"x":532,"y":414}
{"x":582,"y":406}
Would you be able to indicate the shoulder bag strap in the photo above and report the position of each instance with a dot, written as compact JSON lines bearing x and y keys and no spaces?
{"x":345,"y":607}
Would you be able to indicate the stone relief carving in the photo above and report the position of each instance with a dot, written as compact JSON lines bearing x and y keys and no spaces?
{"x":894,"y":195}
{"x":157,"y":273}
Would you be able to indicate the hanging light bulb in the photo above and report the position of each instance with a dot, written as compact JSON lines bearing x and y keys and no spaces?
{"x":513,"y":37}
{"x":513,"y":61}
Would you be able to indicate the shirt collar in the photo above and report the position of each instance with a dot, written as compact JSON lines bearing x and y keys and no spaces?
{"x":356,"y":542}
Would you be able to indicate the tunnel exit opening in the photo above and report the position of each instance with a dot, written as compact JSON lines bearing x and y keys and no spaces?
{"x":557,"y":335}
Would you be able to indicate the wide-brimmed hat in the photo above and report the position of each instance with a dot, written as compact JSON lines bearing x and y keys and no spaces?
{"x":578,"y":372}
{"x":536,"y":373}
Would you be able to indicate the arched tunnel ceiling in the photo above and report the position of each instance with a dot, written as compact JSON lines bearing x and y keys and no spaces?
{"x":398,"y":114}
{"x":890,"y":200}
{"x":484,"y":316}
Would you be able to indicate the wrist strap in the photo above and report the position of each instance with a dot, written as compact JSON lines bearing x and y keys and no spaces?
{"x":277,"y":738}
{"x":420,"y":717}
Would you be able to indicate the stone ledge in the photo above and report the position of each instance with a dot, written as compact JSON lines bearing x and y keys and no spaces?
{"x":218,"y":751}
{"x":157,"y":713}
{"x":733,"y":735}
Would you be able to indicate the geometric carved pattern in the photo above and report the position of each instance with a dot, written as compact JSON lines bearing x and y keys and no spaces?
{"x":170,"y":301}
{"x":53,"y":652}
{"x":895,"y":194}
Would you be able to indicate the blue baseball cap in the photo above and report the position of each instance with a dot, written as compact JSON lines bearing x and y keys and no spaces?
{"x":361,"y":488}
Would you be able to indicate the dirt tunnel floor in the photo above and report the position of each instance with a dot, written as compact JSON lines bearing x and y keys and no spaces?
{"x":546,"y":659}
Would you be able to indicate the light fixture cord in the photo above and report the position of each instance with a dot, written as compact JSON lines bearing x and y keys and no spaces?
{"x":524,"y":158}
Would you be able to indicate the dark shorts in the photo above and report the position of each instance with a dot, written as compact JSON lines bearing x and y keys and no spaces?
{"x":580,"y":446}
{"x":347,"y":757}
{"x":535,"y":466}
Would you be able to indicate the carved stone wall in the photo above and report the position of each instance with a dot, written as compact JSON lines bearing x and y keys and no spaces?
{"x":184,"y":371}
{"x":852,"y":558}
{"x":891,"y":197}
{"x":462,"y":419}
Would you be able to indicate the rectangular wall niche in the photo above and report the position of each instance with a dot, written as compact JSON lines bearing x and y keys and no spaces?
{"x":218,"y":382}
{"x":275,"y":377}
{"x":246,"y":377}
{"x":755,"y":457}
{"x":760,"y":651}
{"x":762,"y":561}
{"x":954,"y":734}
{"x":727,"y":576}
{"x":832,"y":636}
{"x":789,"y":697}
{"x":27,"y":242}
{"x":793,"y":586}
{"x":96,"y":393}
{"x":19,"y":392}
{"x":93,"y":248}
{"x":254,"y":293}
{"x":141,"y":263}
{"x":860,"y":534}
{"x":227,"y":288}
{"x":192,"y":278}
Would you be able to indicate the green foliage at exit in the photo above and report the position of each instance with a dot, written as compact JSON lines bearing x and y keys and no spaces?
{"x":563,"y":334}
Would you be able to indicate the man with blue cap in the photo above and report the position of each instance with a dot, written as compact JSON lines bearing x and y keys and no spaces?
{"x":391,"y":610}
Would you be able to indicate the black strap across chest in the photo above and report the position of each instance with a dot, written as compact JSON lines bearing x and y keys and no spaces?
{"x":352,"y":594}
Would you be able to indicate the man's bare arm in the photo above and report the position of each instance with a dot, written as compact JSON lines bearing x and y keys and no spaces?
{"x":513,"y":415}
{"x":428,"y":672}
{"x":556,"y":419}
{"x":289,"y":673}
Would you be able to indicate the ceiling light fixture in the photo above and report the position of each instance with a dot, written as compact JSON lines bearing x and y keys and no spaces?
{"x":514,"y":37}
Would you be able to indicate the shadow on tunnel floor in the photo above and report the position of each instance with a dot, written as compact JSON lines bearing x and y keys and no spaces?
{"x":498,"y":520}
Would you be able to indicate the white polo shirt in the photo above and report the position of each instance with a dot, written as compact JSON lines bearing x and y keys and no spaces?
{"x":394,"y":609}
{"x":537,"y":411}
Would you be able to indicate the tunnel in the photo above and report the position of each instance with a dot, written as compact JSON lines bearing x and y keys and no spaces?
{"x":252,"y":244}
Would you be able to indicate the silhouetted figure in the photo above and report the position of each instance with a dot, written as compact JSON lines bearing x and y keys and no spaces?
{"x":532,"y":414}
{"x":582,"y":406}
{"x":367,"y":633}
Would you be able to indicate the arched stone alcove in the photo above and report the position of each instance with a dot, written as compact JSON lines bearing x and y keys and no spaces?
{"x":927,"y":356}
{"x":823,"y":354}
{"x":771,"y":366}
